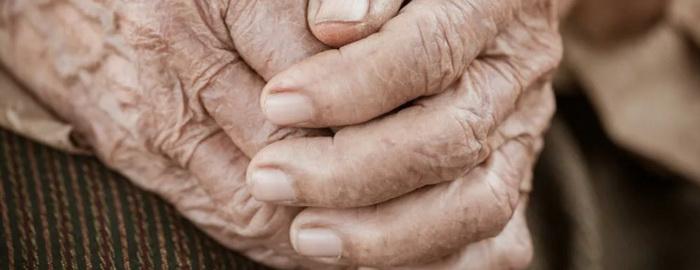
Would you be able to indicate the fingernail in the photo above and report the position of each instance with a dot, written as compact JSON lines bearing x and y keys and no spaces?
{"x":288,"y":108}
{"x":271,"y":186}
{"x":342,"y":11}
{"x":318,"y":243}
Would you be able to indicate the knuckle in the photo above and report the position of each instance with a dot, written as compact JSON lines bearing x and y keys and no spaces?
{"x":251,"y":218}
{"x":470,"y":145}
{"x":443,"y":46}
{"x":456,"y":143}
{"x":532,"y":43}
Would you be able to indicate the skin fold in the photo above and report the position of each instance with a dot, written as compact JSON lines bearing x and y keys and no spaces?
{"x":169,"y":92}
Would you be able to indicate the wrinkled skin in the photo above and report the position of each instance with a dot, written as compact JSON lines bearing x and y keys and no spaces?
{"x":442,"y":111}
{"x":167,"y":93}
{"x":155,"y":87}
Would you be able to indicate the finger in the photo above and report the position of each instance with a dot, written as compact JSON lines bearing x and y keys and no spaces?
{"x":436,"y":140}
{"x":417,"y":53}
{"x":433,"y":142}
{"x":340,"y":22}
{"x":271,"y":35}
{"x":424,"y":225}
{"x":511,"y":249}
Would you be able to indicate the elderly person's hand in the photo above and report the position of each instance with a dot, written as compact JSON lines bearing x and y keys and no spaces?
{"x":443,"y":112}
{"x":154,"y":85}
{"x":166,"y":92}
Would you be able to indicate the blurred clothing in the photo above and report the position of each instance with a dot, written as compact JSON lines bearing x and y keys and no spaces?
{"x":71,"y":212}
{"x":21,"y":113}
{"x":643,"y":82}
{"x":598,"y":206}
{"x":617,"y":184}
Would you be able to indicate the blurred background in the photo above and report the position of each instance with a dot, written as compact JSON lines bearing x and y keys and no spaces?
{"x":617,"y":185}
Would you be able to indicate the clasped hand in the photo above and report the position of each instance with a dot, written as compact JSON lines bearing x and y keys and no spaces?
{"x":410,"y":146}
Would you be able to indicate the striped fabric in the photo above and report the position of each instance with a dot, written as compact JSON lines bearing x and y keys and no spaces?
{"x":70,"y":212}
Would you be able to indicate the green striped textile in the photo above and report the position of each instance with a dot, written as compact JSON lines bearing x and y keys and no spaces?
{"x":70,"y":212}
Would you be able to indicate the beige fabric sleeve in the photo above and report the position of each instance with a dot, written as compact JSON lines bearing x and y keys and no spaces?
{"x":21,"y":113}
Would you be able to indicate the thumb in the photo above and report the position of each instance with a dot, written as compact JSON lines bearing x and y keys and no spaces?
{"x":340,"y":22}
